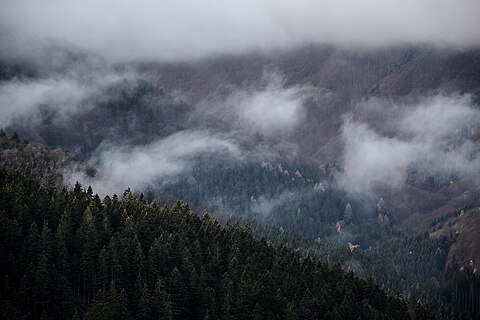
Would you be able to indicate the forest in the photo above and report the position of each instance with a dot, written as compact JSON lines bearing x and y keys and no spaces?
{"x":67,"y":254}
{"x":75,"y":254}
{"x":252,"y":159}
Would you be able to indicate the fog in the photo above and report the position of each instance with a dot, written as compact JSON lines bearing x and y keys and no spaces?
{"x":27,"y":101}
{"x":266,"y":106}
{"x":177,"y":30}
{"x":138,"y":167}
{"x":435,"y":136}
{"x":264,"y":207}
{"x":273,"y":109}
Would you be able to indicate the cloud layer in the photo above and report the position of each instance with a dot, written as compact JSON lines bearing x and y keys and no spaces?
{"x":435,"y":136}
{"x":172,"y":30}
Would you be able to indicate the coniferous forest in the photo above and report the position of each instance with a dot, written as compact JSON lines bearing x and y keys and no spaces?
{"x":67,"y":254}
{"x":253,"y":159}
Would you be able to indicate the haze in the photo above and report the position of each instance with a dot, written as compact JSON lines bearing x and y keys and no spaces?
{"x":121,"y":30}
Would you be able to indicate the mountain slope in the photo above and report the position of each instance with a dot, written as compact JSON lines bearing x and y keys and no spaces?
{"x":66,"y":252}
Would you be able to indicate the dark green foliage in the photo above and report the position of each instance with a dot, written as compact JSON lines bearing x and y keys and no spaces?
{"x":466,"y":289}
{"x":151,"y":262}
{"x":412,"y":267}
{"x":264,"y":193}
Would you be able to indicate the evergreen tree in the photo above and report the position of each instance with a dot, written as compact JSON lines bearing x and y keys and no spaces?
{"x":145,"y":304}
{"x":163,"y":302}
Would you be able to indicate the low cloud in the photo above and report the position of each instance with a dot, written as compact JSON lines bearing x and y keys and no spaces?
{"x":179,"y":30}
{"x":269,"y":108}
{"x":26,"y":101}
{"x":261,"y":115}
{"x":437,"y":135}
{"x":139,"y":167}
{"x":371,"y":158}
{"x":265,"y":206}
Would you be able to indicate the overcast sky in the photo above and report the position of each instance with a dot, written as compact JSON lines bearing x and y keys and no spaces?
{"x":123,"y":30}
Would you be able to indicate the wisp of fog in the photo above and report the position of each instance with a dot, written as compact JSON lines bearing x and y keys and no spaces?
{"x":138,"y":167}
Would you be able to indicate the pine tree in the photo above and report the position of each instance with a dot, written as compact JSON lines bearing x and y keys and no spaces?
{"x":137,"y":290}
{"x":145,"y":304}
{"x":117,"y":303}
{"x":227,"y":308}
{"x":178,"y":292}
{"x":102,"y":271}
{"x":42,"y":282}
{"x":347,"y":213}
{"x":163,"y":303}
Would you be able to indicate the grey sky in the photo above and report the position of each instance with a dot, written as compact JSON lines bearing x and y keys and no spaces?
{"x":171,"y":29}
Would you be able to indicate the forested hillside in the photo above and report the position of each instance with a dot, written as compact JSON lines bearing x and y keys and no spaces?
{"x":147,"y":103}
{"x":69,"y":254}
{"x":328,"y":151}
{"x":412,"y":266}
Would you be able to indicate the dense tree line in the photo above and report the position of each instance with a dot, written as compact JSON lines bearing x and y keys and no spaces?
{"x":463,"y":289}
{"x":412,"y":266}
{"x":297,"y":198}
{"x":69,"y":254}
{"x":303,"y":216}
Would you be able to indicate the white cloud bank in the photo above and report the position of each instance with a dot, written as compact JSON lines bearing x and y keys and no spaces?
{"x":433,"y":136}
{"x":172,"y":29}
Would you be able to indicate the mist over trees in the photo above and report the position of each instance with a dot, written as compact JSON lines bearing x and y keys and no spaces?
{"x":69,"y":254}
{"x":335,"y":146}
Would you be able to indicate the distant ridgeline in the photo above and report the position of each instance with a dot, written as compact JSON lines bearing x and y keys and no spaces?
{"x":67,"y":254}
